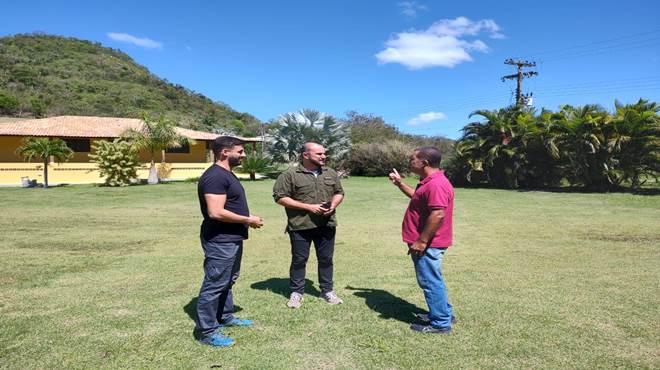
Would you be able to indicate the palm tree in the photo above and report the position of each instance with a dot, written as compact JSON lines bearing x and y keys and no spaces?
{"x":292,"y":130}
{"x":497,"y":147}
{"x":44,"y":148}
{"x":156,"y":135}
{"x":256,"y":163}
{"x":583,"y":134}
{"x":637,"y":145}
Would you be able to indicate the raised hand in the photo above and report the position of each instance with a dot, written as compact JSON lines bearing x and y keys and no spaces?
{"x":395,"y":177}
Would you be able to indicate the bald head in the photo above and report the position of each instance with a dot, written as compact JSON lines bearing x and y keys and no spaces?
{"x":310,"y":145}
{"x":313,"y":155}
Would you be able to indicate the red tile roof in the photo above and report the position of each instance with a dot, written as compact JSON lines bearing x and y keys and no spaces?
{"x":92,"y":127}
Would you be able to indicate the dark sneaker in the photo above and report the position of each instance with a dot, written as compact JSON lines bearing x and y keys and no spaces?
{"x":424,"y":317}
{"x":331,"y":298}
{"x":217,"y":339}
{"x":429,"y":329}
{"x":235,"y":321}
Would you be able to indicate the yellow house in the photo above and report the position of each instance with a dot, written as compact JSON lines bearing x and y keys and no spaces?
{"x":80,"y":132}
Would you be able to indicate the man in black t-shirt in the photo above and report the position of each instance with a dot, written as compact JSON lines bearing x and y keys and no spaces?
{"x":225,"y":226}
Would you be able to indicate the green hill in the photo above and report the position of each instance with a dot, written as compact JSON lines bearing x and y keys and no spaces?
{"x":44,"y":75}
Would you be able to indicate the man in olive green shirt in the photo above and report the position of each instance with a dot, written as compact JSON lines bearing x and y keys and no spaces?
{"x":310,"y":194}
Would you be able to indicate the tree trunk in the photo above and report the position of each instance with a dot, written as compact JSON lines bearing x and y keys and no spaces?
{"x":253,"y":176}
{"x":153,"y":175}
{"x":46,"y":173}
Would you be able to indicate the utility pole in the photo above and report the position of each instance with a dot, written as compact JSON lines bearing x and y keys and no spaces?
{"x":520,"y":99}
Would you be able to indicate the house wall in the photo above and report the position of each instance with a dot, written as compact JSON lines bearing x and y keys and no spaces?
{"x":198,"y":153}
{"x":79,"y":170}
{"x":8,"y":146}
{"x":87,"y":173}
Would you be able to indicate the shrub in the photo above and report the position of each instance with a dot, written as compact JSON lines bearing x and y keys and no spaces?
{"x":378,"y":159}
{"x":257,"y":163}
{"x":117,"y":161}
{"x":8,"y":104}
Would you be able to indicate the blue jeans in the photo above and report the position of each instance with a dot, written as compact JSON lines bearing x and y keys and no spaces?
{"x":222,"y":266}
{"x":428,"y":269}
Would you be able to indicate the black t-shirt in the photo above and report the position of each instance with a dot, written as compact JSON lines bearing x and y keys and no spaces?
{"x":217,"y":180}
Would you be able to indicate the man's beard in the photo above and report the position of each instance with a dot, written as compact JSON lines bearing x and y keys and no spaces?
{"x":316,"y":163}
{"x":234,"y":161}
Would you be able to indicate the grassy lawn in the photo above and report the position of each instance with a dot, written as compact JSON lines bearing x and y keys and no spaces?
{"x":107,"y":278}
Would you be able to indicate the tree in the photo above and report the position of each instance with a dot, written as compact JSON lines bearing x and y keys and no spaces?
{"x":496,"y":147}
{"x":367,"y":128}
{"x":292,"y":130}
{"x":156,"y":135}
{"x":582,"y":135}
{"x":37,"y":107}
{"x":256,"y":163}
{"x":378,"y":158}
{"x":44,"y":148}
{"x":637,"y":143}
{"x":8,"y":104}
{"x":117,"y":161}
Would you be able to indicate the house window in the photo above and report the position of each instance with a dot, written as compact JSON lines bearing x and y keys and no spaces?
{"x":182,"y":149}
{"x":78,"y":145}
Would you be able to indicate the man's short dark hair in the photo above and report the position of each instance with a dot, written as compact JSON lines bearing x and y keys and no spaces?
{"x":224,"y":142}
{"x":430,"y":154}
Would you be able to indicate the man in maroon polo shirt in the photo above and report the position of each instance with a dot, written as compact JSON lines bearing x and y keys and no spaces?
{"x":427,"y":229}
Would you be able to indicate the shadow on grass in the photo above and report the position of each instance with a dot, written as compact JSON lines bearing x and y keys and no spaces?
{"x":281,"y":286}
{"x":388,"y":305}
{"x":191,"y":309}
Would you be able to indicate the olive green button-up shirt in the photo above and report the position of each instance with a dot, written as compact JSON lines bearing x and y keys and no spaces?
{"x":304,"y":186}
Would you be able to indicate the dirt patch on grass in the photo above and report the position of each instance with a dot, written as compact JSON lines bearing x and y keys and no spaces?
{"x":87,"y":246}
{"x":622,"y":238}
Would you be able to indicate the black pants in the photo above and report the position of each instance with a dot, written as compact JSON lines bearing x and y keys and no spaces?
{"x":222,"y":266}
{"x":324,"y":243}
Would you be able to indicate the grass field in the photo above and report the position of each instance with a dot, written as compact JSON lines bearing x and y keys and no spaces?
{"x":96,"y":277}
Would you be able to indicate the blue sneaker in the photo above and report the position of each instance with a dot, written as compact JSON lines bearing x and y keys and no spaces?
{"x":217,"y":339}
{"x":235,"y":321}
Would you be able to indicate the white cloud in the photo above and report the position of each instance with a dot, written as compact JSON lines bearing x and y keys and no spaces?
{"x":462,"y":26}
{"x":142,"y":42}
{"x":441,"y":45}
{"x":427,"y":117}
{"x":411,"y":8}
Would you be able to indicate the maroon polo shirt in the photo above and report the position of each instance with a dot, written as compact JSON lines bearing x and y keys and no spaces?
{"x":434,"y":192}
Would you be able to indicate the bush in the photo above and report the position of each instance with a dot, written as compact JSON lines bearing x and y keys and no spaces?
{"x":257,"y":163}
{"x":378,"y":159}
{"x":8,"y":104}
{"x":117,"y":161}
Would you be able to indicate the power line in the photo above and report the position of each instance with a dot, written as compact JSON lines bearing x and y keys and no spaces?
{"x":570,"y":89}
{"x":536,"y":55}
{"x":604,"y":50}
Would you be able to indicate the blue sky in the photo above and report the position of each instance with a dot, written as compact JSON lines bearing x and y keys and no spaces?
{"x":422,"y":65}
